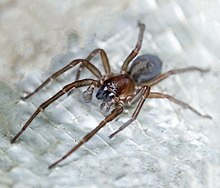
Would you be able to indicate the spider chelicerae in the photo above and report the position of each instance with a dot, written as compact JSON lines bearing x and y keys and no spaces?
{"x":131,"y":85}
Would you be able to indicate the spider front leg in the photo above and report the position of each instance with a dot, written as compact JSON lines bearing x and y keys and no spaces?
{"x":104,"y":59}
{"x":72,"y":64}
{"x":114,"y":113}
{"x":145,"y":92}
{"x":67,"y":88}
{"x":158,"y":95}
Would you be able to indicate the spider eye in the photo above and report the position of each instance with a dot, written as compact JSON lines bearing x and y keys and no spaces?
{"x":104,"y":94}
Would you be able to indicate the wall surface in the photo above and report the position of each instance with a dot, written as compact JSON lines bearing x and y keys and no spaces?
{"x":167,"y":146}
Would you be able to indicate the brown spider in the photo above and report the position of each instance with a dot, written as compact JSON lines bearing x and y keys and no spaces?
{"x":132,"y":84}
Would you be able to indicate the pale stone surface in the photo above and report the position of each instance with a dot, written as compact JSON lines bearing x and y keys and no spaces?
{"x":166,"y":147}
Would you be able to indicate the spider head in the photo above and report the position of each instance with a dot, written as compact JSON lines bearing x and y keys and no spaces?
{"x":107,"y":92}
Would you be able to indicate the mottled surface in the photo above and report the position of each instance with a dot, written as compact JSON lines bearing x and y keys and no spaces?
{"x":166,"y":147}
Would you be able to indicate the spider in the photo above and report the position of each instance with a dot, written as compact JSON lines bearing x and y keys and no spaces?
{"x":133,"y":84}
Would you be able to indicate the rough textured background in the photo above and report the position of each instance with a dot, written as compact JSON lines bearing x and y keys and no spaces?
{"x":167,"y":146}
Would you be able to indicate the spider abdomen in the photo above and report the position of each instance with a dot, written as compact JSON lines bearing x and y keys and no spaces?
{"x":145,"y":68}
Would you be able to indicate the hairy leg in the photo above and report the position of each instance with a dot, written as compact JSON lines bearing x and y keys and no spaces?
{"x":44,"y":105}
{"x":158,"y":95}
{"x":72,"y":64}
{"x":135,"y":51}
{"x":145,"y":93}
{"x":118,"y":110}
{"x":104,"y":58}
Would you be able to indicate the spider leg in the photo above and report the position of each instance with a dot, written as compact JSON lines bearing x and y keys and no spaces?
{"x":104,"y":58}
{"x":65,"y":89}
{"x":145,"y":93}
{"x":114,"y":113}
{"x":136,"y":50}
{"x":85,"y":62}
{"x":176,"y":101}
{"x":172,"y":72}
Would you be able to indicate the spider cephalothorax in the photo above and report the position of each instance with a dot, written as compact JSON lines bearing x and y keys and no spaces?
{"x":117,"y":86}
{"x":131,"y":85}
{"x":114,"y":89}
